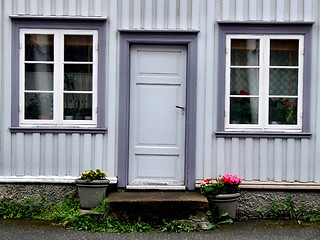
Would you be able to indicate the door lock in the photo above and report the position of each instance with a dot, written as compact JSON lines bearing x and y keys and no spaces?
{"x":182,"y":108}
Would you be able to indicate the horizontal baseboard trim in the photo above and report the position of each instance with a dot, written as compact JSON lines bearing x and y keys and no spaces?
{"x":44,"y":179}
{"x":272,"y":185}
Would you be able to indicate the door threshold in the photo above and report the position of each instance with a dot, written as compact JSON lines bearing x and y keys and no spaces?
{"x":154,"y":187}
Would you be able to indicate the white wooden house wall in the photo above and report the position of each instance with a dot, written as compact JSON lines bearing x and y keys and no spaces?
{"x":48,"y":154}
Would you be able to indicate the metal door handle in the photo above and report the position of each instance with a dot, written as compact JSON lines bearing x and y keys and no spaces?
{"x":182,"y":108}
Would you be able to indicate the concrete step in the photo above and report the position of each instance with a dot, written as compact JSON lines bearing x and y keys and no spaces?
{"x":157,"y":205}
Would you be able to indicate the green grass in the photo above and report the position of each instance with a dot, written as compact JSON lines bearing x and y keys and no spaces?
{"x":67,"y":213}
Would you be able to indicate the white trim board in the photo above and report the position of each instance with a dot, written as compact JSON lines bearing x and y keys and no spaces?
{"x":272,"y":185}
{"x":44,"y":179}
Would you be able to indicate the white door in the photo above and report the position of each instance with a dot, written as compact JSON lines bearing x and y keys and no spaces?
{"x":157,"y":116}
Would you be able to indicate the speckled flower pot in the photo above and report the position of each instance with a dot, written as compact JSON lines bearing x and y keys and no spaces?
{"x":225,"y":203}
{"x":91,"y":193}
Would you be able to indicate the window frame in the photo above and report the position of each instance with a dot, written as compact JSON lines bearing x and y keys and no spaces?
{"x":97,"y":125}
{"x":274,"y":30}
{"x":263,"y":95}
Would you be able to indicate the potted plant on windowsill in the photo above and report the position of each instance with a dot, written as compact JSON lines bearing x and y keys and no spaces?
{"x":92,"y":187}
{"x":222,"y":193}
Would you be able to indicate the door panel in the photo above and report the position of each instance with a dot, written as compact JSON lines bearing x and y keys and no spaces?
{"x":157,"y":127}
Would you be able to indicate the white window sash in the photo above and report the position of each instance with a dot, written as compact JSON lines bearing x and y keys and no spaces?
{"x":264,"y":66}
{"x":58,"y":78}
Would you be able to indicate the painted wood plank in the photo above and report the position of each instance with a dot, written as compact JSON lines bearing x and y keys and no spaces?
{"x":290,"y":160}
{"x":252,"y":9}
{"x":46,"y":7}
{"x":239,"y":10}
{"x":266,"y":10}
{"x":278,"y":159}
{"x":75,"y":157}
{"x":59,"y":7}
{"x":256,"y":162}
{"x":220,"y":156}
{"x":35,"y":154}
{"x":55,"y":155}
{"x":227,"y":155}
{"x":242,"y":158}
{"x":226,"y":10}
{"x":201,"y":73}
{"x":160,"y":14}
{"x":270,"y":160}
{"x":205,"y":87}
{"x":263,"y":171}
{"x":297,"y":160}
{"x":183,"y":20}
{"x":294,"y":4}
{"x":136,"y":14}
{"x":280,"y":10}
{"x":195,"y":14}
{"x":87,"y":152}
{"x":172,"y":15}
{"x":72,"y":8}
{"x":20,"y":155}
{"x":48,"y":154}
{"x":33,"y":5}
{"x":307,"y":10}
{"x":27,"y":154}
{"x":21,"y":7}
{"x":148,"y":9}
{"x":235,"y":160}
{"x":304,"y":160}
{"x":84,"y":8}
{"x":97,"y":8}
{"x":248,"y":162}
{"x":62,"y":153}
{"x":11,"y":165}
{"x":98,"y":152}
{"x":125,"y":14}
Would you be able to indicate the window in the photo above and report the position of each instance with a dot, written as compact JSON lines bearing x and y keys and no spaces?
{"x":264,"y":79}
{"x":58,"y":77}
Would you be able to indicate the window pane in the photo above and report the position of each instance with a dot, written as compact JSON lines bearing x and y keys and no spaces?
{"x":38,"y":106}
{"x":283,"y":110}
{"x":77,"y":106}
{"x":78,"y":48}
{"x":77,"y":77}
{"x":284,"y":52}
{"x":244,"y":52}
{"x":283,"y":82}
{"x":39,"y":47}
{"x":244,"y":81}
{"x":38,"y":76}
{"x":244,"y":110}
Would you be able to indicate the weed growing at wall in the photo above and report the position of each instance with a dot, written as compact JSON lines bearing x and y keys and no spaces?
{"x":67,"y":213}
{"x":287,"y":210}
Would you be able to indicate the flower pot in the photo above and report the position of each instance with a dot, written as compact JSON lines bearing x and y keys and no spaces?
{"x":224,"y":203}
{"x":91,"y":193}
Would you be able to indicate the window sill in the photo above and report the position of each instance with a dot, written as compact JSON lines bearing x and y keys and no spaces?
{"x":56,"y":130}
{"x":262,"y":135}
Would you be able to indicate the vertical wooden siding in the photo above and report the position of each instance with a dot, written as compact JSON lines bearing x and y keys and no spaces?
{"x":254,"y":159}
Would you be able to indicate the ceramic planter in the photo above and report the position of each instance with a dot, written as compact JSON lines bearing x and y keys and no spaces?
{"x":91,"y":193}
{"x":225,"y":203}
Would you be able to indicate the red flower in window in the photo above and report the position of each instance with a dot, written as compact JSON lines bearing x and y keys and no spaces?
{"x":243,"y":92}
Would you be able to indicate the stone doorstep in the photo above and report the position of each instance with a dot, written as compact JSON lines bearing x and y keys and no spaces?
{"x":188,"y":207}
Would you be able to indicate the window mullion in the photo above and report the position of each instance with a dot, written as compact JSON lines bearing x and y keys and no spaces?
{"x":265,"y":82}
{"x":58,"y":77}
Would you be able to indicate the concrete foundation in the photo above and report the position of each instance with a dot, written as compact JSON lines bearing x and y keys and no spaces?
{"x":20,"y":192}
{"x":250,"y":202}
